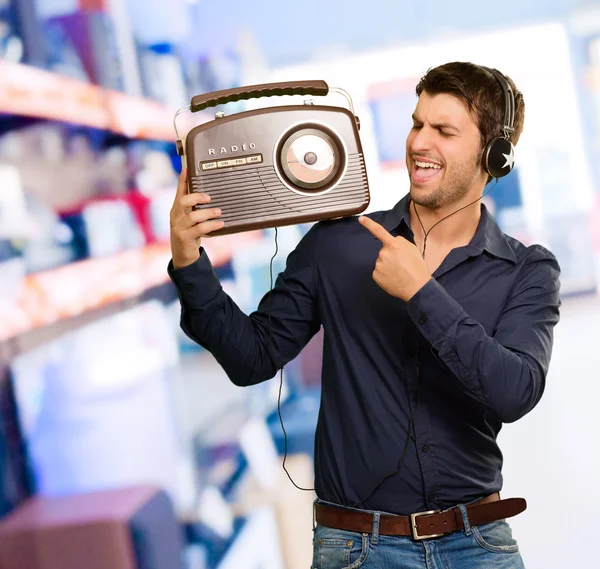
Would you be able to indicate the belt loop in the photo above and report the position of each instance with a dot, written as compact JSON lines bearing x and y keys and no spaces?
{"x":375,"y":532}
{"x":465,"y":517}
{"x":314,"y":515}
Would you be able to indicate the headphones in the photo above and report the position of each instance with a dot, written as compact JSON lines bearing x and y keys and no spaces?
{"x":499,"y":154}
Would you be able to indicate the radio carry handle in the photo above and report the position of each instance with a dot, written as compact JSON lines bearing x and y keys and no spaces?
{"x":201,"y":102}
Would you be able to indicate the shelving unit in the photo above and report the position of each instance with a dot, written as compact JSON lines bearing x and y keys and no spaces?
{"x":60,"y":297}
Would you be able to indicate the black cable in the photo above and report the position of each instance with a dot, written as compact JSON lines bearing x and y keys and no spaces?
{"x":409,"y":436}
{"x":280,"y":371}
{"x":426,"y":233}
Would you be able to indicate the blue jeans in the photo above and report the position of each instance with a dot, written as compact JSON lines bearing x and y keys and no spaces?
{"x":489,"y":546}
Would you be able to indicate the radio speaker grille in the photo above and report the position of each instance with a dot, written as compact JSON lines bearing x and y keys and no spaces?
{"x":257,"y":195}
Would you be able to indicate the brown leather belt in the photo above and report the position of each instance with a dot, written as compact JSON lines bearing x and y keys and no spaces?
{"x":422,"y":525}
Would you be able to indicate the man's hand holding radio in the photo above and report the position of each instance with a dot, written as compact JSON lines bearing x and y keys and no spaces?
{"x":188,"y":226}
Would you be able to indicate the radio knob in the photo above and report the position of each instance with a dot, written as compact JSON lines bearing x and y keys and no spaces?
{"x":310,"y":158}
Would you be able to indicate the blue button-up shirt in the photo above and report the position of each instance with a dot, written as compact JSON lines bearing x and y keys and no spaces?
{"x":469,"y":352}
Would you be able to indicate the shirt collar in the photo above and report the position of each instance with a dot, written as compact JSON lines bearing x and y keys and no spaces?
{"x":398,"y":215}
{"x":488,"y":236}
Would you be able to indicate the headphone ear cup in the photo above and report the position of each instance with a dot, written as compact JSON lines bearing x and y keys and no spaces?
{"x":499,"y":157}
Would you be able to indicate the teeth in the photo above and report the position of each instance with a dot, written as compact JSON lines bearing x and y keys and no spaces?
{"x":427,"y":165}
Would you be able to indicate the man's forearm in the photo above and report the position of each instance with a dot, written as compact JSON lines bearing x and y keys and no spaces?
{"x":507,"y":373}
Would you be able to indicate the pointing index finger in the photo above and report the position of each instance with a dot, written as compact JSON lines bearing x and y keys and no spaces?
{"x":377,"y":230}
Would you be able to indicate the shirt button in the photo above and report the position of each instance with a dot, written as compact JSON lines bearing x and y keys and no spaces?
{"x":425,"y":448}
{"x":189,"y":287}
{"x":423,"y":319}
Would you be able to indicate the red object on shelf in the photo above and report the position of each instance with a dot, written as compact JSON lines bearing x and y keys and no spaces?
{"x":93,"y":5}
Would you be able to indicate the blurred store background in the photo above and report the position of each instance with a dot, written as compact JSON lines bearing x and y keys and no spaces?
{"x":108,"y":413}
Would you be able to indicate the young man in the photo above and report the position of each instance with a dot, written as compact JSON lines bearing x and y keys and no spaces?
{"x":437,"y":327}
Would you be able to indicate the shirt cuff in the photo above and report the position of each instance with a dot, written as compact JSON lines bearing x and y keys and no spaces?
{"x":434,"y":312}
{"x":197,"y":284}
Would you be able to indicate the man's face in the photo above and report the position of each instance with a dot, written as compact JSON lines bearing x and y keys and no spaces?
{"x":443,"y":151}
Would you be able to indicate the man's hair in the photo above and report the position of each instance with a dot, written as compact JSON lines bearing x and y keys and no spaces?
{"x":482,"y":93}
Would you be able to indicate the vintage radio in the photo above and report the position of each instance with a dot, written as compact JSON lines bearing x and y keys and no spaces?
{"x":279,"y":165}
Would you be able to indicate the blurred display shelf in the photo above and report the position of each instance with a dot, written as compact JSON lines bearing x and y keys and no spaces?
{"x":245,"y":548}
{"x":52,"y":302}
{"x":249,"y":549}
{"x":32,"y":92}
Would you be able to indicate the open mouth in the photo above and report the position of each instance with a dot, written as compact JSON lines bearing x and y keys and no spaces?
{"x":423,"y":172}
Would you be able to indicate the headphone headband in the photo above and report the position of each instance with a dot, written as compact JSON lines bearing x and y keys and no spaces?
{"x":509,"y":101}
{"x":499,"y":154}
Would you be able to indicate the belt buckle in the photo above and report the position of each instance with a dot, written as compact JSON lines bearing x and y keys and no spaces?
{"x":413,"y":525}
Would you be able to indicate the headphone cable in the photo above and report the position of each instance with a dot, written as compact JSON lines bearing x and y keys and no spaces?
{"x":285,"y":450}
{"x":426,"y":233}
